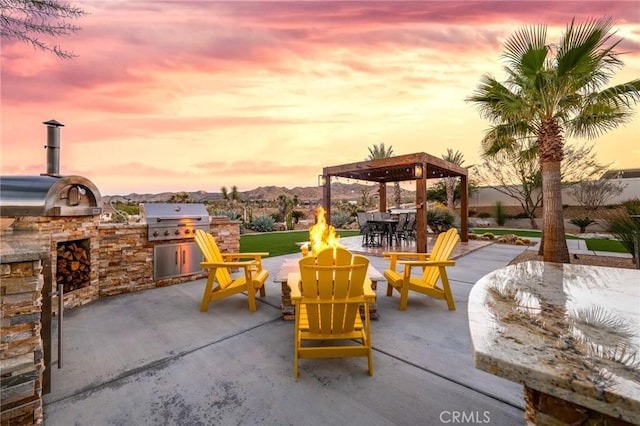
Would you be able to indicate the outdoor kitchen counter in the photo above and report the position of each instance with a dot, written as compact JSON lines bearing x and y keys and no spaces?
{"x":22,"y":246}
{"x":569,"y":333}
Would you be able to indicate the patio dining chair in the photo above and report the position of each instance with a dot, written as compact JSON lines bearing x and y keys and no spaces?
{"x":433,"y":266}
{"x":371,"y":233}
{"x":328,"y":293}
{"x":220,"y":266}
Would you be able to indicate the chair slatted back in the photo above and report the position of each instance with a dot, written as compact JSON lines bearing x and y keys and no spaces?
{"x":442,"y":249}
{"x":411,"y":221}
{"x":207,"y":245}
{"x":333,"y":290}
{"x":362,"y":219}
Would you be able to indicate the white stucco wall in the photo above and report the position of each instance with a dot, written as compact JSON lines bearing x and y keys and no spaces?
{"x":488,"y":196}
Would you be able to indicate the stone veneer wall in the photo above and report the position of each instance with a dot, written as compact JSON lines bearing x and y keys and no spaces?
{"x":68,"y":228}
{"x":126,"y":256}
{"x":21,"y":350}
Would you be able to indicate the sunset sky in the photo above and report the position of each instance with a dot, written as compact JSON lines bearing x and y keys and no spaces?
{"x":196,"y":95}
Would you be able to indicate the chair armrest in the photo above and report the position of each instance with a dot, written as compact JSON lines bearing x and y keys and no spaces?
{"x":394,"y":256}
{"x":424,"y":263}
{"x":369,"y":294}
{"x":255,"y":256}
{"x":293,"y":281}
{"x":245,"y":264}
{"x":408,"y":255}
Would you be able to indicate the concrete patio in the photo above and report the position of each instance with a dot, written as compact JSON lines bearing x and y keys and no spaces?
{"x":152,"y":357}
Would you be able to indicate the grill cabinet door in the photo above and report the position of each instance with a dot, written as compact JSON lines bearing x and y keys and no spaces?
{"x":190,"y":258}
{"x":174,"y":260}
{"x":166,"y":261}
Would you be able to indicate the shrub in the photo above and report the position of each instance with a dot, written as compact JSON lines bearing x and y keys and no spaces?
{"x":582,"y":223}
{"x":263,"y":224}
{"x":228,"y":213}
{"x":473,"y":236}
{"x":483,"y":215}
{"x":277,"y":217}
{"x":502,"y":240}
{"x":297,"y":215}
{"x":624,"y":227}
{"x":440,"y":219}
{"x":522,"y":215}
{"x":488,"y":236}
{"x":632,"y":206}
{"x":501,"y":214}
{"x":341,"y":220}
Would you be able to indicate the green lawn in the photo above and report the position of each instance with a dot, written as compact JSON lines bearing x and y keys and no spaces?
{"x":606,"y":245}
{"x":592,"y":243}
{"x":279,"y":243}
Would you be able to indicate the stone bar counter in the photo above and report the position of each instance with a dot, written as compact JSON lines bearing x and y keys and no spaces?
{"x":569,"y":333}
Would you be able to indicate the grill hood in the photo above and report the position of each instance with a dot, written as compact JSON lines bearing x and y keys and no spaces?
{"x":47,"y":195}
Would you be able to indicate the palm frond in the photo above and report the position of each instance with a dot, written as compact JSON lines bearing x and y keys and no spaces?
{"x":625,"y":94}
{"x":583,"y":56}
{"x":596,"y":120}
{"x":505,"y":137}
{"x":526,"y":50}
{"x":495,"y":101}
{"x":379,"y":151}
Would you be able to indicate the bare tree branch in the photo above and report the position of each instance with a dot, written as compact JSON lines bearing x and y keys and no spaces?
{"x":27,"y":20}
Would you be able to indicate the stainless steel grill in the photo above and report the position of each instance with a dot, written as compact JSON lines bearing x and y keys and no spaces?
{"x":174,"y":221}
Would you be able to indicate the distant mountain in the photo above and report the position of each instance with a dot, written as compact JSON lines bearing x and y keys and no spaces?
{"x":313,"y":194}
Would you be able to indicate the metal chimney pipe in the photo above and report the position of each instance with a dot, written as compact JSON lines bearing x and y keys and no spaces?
{"x":53,"y":147}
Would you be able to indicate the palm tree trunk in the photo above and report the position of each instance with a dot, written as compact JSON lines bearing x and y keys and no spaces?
{"x":450,"y":187}
{"x":555,"y":245}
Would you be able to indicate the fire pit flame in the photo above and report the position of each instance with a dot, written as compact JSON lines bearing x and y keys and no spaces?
{"x":321,"y":235}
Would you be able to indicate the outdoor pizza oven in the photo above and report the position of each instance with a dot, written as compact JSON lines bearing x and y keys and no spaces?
{"x":49,"y":194}
{"x":65,"y":208}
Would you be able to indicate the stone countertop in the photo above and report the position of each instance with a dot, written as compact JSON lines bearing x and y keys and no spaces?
{"x":17,"y":246}
{"x":571,"y":331}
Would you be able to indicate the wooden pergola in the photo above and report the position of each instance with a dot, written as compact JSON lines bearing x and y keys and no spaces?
{"x":419,"y":167}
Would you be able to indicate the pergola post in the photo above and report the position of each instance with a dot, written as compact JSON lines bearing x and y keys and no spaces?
{"x":382,"y":192}
{"x":326,"y":196}
{"x":464,"y":209}
{"x":421,"y":212}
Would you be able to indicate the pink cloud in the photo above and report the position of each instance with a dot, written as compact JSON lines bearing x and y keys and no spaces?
{"x":141,"y":64}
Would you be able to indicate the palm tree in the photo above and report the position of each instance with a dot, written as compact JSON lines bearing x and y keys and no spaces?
{"x":552,"y":91}
{"x":450,"y":182}
{"x":379,"y":151}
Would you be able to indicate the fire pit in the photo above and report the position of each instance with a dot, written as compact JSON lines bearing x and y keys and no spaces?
{"x":321,"y":235}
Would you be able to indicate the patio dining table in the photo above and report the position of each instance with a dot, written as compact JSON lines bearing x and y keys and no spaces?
{"x":387,"y":226}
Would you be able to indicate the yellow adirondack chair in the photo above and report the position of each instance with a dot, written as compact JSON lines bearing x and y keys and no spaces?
{"x":219,"y":265}
{"x":327,"y":306}
{"x":433,"y":268}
